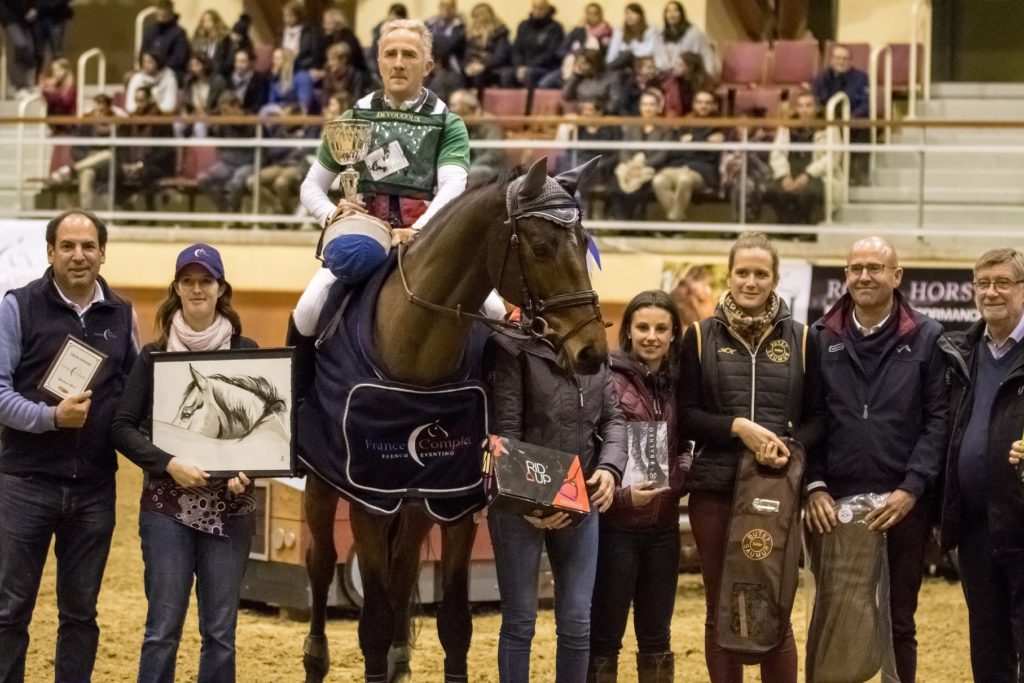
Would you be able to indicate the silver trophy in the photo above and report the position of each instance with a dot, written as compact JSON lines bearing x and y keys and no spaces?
{"x":348,"y":142}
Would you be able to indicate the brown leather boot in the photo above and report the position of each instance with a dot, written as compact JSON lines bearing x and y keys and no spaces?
{"x":603,"y":670}
{"x":655,"y":668}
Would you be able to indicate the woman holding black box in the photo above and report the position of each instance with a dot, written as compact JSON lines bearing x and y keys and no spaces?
{"x":742,"y":388}
{"x":638,"y":551}
{"x":190,"y":525}
{"x":533,"y":399}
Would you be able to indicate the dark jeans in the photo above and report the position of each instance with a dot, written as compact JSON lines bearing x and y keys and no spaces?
{"x":994,"y":588}
{"x":572,"y":553}
{"x":905,"y":548}
{"x":173,"y":554}
{"x":797,"y":208}
{"x":638,"y":567}
{"x":709,"y":516}
{"x":22,"y":63}
{"x":80,"y":516}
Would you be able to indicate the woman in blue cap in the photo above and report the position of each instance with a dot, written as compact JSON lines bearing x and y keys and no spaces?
{"x":191,"y":525}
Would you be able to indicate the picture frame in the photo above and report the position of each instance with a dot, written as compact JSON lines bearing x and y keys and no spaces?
{"x":226,"y":411}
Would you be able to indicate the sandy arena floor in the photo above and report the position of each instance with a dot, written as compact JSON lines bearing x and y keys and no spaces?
{"x":269,"y":648}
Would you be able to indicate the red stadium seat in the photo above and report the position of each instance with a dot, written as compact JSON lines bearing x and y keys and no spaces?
{"x":192,"y":162}
{"x":768,"y":98}
{"x":901,"y":66}
{"x":794,"y":61}
{"x":744,"y":63}
{"x":546,"y":102}
{"x":505,"y":101}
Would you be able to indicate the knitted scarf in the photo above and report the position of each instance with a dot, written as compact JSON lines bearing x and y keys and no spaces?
{"x":749,"y":328}
{"x":181,"y":337}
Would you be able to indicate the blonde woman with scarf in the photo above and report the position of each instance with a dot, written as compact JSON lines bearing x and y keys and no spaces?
{"x":742,"y":386}
{"x":178,"y":544}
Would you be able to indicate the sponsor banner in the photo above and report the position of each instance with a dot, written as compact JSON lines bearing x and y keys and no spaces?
{"x":22,"y":252}
{"x":945,"y":294}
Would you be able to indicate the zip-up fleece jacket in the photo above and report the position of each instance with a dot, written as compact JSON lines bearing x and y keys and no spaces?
{"x":722,"y":378}
{"x":534,"y":400}
{"x":886,"y":431}
{"x":1005,"y":500}
{"x":646,"y":397}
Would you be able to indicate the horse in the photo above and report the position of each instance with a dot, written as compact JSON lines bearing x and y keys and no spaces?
{"x":478,"y":243}
{"x":222,"y":407}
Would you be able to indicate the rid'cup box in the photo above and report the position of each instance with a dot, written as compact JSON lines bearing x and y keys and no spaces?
{"x":532,"y":480}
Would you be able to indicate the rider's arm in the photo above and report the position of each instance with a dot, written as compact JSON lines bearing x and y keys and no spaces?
{"x":313,"y":192}
{"x":451,"y":181}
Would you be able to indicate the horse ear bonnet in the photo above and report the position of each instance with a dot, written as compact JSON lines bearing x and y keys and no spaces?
{"x":537,"y":195}
{"x":576,"y":177}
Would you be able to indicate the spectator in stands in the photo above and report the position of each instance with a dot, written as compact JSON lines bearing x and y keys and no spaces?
{"x":592,"y":33}
{"x":694,"y":296}
{"x":195,"y":99}
{"x":590,"y":81}
{"x":139,"y":168}
{"x":679,"y":37}
{"x":690,"y":170}
{"x":686,"y":77}
{"x":635,"y":170}
{"x":443,"y":80}
{"x":643,"y":76}
{"x":482,"y":162}
{"x":212,"y":38}
{"x":60,"y":92}
{"x":603,"y":175}
{"x":167,"y":40}
{"x":488,"y":48}
{"x":302,"y":38}
{"x":288,"y":84}
{"x":251,"y":86}
{"x":842,"y":76}
{"x":535,"y":50}
{"x":51,"y":28}
{"x":238,"y":39}
{"x":91,"y":163}
{"x":798,"y":189}
{"x":632,"y":40}
{"x":159,"y":79}
{"x":334,"y":106}
{"x":397,"y":10}
{"x":341,"y":76}
{"x":225,"y":181}
{"x":747,"y":175}
{"x":18,"y":18}
{"x":449,"y":32}
{"x":285,"y":166}
{"x":337,"y":31}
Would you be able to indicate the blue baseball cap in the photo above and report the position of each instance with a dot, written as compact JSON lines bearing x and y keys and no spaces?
{"x":203,"y":255}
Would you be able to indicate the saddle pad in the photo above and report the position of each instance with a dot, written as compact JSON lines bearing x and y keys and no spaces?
{"x":406,"y":441}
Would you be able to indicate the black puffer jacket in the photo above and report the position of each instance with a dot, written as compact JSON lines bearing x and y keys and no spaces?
{"x":534,"y":400}
{"x":1005,"y":502}
{"x":721,"y":379}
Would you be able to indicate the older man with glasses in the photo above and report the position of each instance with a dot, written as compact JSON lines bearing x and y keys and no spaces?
{"x":885,"y":393}
{"x":983,"y":507}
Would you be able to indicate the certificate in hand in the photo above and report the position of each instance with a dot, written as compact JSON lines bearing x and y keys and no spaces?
{"x":72,"y":369}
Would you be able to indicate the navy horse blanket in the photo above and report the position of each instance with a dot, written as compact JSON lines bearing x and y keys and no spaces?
{"x":379,"y":441}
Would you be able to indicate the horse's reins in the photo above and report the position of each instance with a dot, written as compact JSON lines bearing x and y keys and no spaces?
{"x":534,"y":323}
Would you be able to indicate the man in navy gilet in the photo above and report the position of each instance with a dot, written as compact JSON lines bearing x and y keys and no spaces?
{"x":983,"y":506}
{"x":56,"y":461}
{"x":884,"y":386}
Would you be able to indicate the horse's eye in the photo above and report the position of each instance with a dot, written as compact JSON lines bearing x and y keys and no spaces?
{"x":542,"y":250}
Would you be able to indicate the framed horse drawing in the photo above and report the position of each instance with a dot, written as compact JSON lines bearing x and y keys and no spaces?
{"x":226,"y":411}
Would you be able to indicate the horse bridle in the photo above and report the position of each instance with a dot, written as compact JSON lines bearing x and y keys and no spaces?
{"x":532,"y":324}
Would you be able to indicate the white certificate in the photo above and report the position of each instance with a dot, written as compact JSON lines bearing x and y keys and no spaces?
{"x":73,"y":369}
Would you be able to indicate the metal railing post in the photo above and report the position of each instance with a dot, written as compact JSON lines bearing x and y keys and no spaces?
{"x":19,"y":153}
{"x":257,"y":162}
{"x":744,"y":138}
{"x":920,"y":12}
{"x":101,"y":76}
{"x":873,"y":97}
{"x":3,"y":65}
{"x":112,"y":168}
{"x":840,"y":99}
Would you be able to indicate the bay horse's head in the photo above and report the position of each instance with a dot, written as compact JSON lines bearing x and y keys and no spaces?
{"x":543,"y":269}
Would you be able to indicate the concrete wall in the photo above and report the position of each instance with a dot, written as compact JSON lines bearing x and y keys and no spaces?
{"x":874,"y":21}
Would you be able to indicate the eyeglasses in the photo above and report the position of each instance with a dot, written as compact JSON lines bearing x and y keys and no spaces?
{"x":1002,"y":285}
{"x":874,"y":269}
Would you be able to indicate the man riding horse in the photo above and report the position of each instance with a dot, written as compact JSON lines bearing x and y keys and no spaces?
{"x":419,"y":152}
